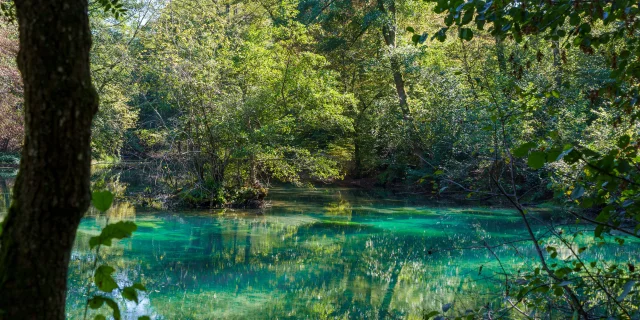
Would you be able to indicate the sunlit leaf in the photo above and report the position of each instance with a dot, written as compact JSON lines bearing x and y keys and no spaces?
{"x":119,"y":230}
{"x":102,"y":200}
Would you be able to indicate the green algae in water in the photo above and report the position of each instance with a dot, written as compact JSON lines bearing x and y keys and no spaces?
{"x":318,"y":254}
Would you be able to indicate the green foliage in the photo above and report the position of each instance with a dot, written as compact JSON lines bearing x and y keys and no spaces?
{"x":114,"y":7}
{"x":593,"y":166}
{"x":118,"y":230}
{"x":536,"y":159}
{"x":113,"y":67}
{"x":103,"y":275}
{"x":98,"y":301}
{"x":531,"y":101}
{"x":103,"y":279}
{"x":131,"y":293}
{"x":247,"y":98}
{"x":102,"y":200}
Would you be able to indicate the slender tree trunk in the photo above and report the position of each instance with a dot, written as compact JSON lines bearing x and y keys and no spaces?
{"x":399,"y":82}
{"x":51,"y":192}
{"x":389,"y":34}
{"x":253,"y":172}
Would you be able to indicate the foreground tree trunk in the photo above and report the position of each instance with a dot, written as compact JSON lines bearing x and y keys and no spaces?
{"x":52,"y":188}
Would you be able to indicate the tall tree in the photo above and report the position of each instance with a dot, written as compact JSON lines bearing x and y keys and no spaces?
{"x":51,"y":192}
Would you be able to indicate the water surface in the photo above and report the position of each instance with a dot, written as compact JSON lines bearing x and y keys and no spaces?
{"x":314,"y":254}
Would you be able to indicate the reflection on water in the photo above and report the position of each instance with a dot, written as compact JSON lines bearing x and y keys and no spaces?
{"x":316,"y":254}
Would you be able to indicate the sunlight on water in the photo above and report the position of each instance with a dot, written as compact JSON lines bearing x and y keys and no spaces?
{"x":316,"y":254}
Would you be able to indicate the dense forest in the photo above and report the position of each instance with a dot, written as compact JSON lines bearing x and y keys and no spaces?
{"x":518,"y":104}
{"x":227,"y":97}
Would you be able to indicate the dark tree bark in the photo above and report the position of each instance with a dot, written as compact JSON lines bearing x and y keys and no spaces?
{"x":51,"y":192}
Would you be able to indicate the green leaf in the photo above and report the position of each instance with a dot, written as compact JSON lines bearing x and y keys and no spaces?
{"x":574,"y":19}
{"x":98,"y":301}
{"x":585,"y":28}
{"x":99,"y":317}
{"x":119,"y":230}
{"x":598,"y":232}
{"x":130,"y":294}
{"x":577,"y":192}
{"x":410,"y":29}
{"x":558,"y":291}
{"x":441,"y":35}
{"x":103,"y":279}
{"x":553,"y":154}
{"x":95,"y":302}
{"x":465,"y":34}
{"x":572,"y":156}
{"x":468,"y":16}
{"x":114,"y":307}
{"x":144,"y":318}
{"x":430,"y":315}
{"x":415,"y":38}
{"x":624,"y":141}
{"x":102,"y":200}
{"x":139,"y":286}
{"x":563,"y":153}
{"x":536,"y":159}
{"x":522,"y":150}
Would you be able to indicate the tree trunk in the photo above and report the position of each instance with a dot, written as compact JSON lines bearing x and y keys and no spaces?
{"x":399,"y":82}
{"x":253,"y":172}
{"x":51,"y":192}
{"x":389,"y":35}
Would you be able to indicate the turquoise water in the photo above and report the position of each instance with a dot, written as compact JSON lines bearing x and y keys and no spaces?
{"x":315,"y":254}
